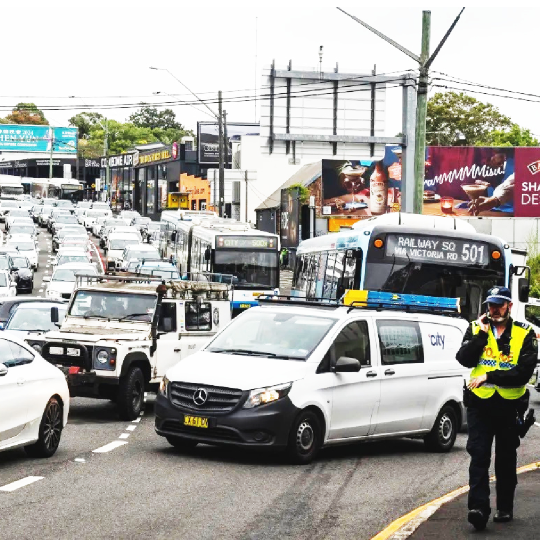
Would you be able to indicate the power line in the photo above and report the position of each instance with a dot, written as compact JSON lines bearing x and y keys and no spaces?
{"x":446,"y":87}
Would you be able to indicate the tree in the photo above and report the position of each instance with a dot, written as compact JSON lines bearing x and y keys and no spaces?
{"x":26,"y":113}
{"x":150,"y":117}
{"x":450,"y":114}
{"x":86,"y":122}
{"x":517,"y":136}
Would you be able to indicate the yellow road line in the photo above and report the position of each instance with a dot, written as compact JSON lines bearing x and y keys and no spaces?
{"x":405,"y":525}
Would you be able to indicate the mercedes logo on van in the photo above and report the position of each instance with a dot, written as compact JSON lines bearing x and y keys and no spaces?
{"x":200,"y":396}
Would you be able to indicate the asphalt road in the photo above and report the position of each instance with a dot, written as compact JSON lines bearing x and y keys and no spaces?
{"x":140,"y":487}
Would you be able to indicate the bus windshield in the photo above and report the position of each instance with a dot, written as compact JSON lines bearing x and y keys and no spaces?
{"x":11,"y":190}
{"x":251,"y":269}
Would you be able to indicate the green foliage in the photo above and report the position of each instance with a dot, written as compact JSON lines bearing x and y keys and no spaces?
{"x":303,"y":192}
{"x":451,"y":113}
{"x":146,"y":126}
{"x":26,"y":113}
{"x":533,"y":262}
{"x":517,"y":136}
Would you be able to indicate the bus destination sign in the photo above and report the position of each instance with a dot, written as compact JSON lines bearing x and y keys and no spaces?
{"x":246,"y":242}
{"x":437,"y":249}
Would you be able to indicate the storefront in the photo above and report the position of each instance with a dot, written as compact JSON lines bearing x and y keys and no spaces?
{"x":138,"y":179}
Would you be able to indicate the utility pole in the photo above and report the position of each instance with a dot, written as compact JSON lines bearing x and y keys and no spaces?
{"x":421,"y":113}
{"x":424,"y":62}
{"x":105,"y":153}
{"x":221,"y":160}
{"x":51,"y":131}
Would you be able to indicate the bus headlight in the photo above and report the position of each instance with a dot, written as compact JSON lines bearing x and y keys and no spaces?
{"x":263,"y":396}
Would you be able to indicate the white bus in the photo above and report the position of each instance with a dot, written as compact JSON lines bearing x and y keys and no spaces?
{"x":228,"y":247}
{"x":53,"y":188}
{"x":408,"y":253}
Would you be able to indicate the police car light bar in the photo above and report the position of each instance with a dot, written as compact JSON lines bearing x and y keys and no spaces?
{"x":388,"y":300}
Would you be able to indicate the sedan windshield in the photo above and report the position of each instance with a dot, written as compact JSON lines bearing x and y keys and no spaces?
{"x":114,"y":305}
{"x":147,"y":254}
{"x":279,"y":335}
{"x":22,"y":246}
{"x":36,"y":319}
{"x":20,"y":262}
{"x":22,"y":229}
{"x":64,"y":259}
{"x":66,"y":274}
{"x":121,"y":243}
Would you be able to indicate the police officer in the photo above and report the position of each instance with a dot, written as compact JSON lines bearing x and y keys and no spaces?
{"x":503,"y":354}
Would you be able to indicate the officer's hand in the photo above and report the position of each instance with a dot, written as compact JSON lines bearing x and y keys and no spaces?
{"x":477,"y":381}
{"x":483,"y":323}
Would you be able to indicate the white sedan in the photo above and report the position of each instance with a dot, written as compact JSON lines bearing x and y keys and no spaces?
{"x":37,"y":397}
{"x":26,"y":248}
{"x":8,"y":287}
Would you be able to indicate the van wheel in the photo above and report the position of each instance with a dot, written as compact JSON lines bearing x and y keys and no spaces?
{"x":305,"y":438}
{"x":130,"y":397}
{"x":182,"y":444}
{"x":444,"y":432}
{"x":50,"y":430}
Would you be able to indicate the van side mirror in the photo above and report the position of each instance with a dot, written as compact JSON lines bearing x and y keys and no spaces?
{"x":54,"y":314}
{"x":345,"y":364}
{"x":523,"y":290}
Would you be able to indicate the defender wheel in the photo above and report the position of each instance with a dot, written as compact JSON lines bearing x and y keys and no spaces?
{"x":182,"y":444}
{"x":50,"y":431}
{"x":305,"y":438}
{"x":131,"y":394}
{"x":443,"y":435}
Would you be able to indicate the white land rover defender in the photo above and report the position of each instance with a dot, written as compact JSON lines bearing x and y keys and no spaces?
{"x":121,"y":334}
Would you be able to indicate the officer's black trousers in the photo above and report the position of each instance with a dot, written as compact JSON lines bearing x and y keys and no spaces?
{"x":493,"y":418}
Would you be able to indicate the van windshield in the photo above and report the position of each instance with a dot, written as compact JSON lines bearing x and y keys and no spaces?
{"x":276,"y":335}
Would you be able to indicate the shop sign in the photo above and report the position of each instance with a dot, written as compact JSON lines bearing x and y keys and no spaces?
{"x":154,"y":157}
{"x":122,"y":160}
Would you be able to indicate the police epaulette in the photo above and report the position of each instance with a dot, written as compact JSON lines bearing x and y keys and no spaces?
{"x":525,"y":326}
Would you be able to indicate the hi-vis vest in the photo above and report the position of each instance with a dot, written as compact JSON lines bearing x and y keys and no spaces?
{"x":492,"y":359}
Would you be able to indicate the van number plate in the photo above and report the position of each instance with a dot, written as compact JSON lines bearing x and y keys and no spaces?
{"x":196,"y":421}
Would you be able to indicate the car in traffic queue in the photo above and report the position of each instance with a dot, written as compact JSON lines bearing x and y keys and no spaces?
{"x":72,"y":256}
{"x":53,"y":214}
{"x":293,"y":376}
{"x":5,"y":207}
{"x":139,"y":252}
{"x":62,"y":221}
{"x":25,"y":247}
{"x":29,"y":231}
{"x":9,"y":305}
{"x":14,"y":214}
{"x":69,"y":231}
{"x":23,"y":277}
{"x":37,"y":397}
{"x":29,"y":320}
{"x":62,"y":281}
{"x":120,"y":334}
{"x":90,"y":216}
{"x":44,"y":215}
{"x":8,"y":286}
{"x":115,"y":245}
{"x":22,"y":273}
{"x":163,"y":269}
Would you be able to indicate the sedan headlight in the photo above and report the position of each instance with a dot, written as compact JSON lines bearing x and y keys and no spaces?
{"x":102,"y":356}
{"x":163,"y":386}
{"x":262,"y":396}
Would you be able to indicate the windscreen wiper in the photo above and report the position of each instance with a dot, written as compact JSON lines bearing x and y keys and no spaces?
{"x":134,"y":315}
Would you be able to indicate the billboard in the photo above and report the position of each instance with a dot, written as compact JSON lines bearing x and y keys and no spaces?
{"x":361,"y":188}
{"x":290,"y":218}
{"x":459,"y":181}
{"x":21,"y":138}
{"x":208,"y":139}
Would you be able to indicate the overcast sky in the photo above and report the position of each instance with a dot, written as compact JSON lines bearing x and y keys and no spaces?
{"x":94,"y":50}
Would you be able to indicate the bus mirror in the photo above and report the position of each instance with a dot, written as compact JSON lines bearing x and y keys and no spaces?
{"x":207,"y":254}
{"x":523,"y":290}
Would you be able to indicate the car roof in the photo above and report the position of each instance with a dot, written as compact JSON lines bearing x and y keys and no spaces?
{"x":76,"y":266}
{"x":37,"y":305}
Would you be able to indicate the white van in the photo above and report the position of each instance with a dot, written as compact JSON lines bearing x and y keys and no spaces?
{"x":300,"y":377}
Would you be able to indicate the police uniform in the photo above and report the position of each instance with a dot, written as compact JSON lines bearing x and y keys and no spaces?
{"x":508,"y":361}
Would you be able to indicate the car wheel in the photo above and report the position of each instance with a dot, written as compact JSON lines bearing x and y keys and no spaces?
{"x":50,"y":431}
{"x":305,"y":438}
{"x":182,"y":444}
{"x":131,"y":394}
{"x":444,"y":432}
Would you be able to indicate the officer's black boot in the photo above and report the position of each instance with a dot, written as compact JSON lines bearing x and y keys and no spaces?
{"x":502,"y":516}
{"x":478,"y":519}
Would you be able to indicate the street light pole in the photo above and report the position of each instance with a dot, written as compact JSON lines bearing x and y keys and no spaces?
{"x":51,"y":131}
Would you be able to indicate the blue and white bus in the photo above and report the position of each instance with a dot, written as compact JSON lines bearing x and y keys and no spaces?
{"x":408,"y":253}
{"x":224,"y":246}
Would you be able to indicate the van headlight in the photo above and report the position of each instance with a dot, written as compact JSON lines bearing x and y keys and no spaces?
{"x":163,"y":385}
{"x":262,"y":396}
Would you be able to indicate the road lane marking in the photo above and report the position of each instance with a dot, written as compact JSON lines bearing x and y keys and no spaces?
{"x":137,"y":420}
{"x":404,"y":526}
{"x":124,"y":435}
{"x":80,"y":460}
{"x":21,"y":483}
{"x":108,"y":447}
{"x":537,"y":424}
{"x":131,"y":428}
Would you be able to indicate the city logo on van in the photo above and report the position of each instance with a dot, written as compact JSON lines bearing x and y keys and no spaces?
{"x":437,"y":340}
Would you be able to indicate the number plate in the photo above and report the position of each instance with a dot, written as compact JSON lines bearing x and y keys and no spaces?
{"x":196,"y":421}
{"x":73,"y":352}
{"x":245,"y":306}
{"x":57,"y":350}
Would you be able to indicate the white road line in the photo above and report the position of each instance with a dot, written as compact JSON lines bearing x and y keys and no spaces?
{"x":537,"y":424}
{"x":108,"y":447}
{"x":131,"y":428}
{"x":137,"y":420}
{"x":21,"y":483}
{"x":80,"y":460}
{"x":124,"y":435}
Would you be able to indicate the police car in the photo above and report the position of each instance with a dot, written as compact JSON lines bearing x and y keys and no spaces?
{"x":299,"y":376}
